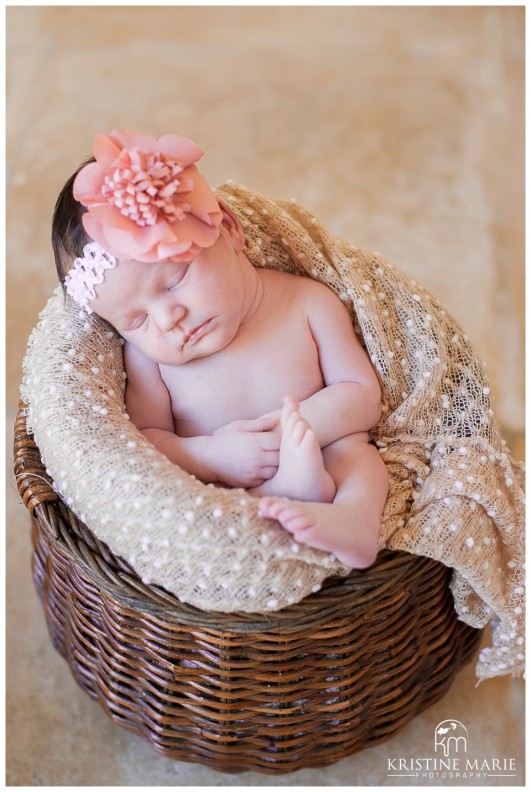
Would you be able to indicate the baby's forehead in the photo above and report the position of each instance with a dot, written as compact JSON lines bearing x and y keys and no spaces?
{"x":128,"y":279}
{"x":148,"y":270}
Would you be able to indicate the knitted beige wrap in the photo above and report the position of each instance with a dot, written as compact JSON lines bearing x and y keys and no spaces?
{"x":454,"y":495}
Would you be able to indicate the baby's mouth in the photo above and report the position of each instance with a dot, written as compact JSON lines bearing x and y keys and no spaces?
{"x":197,"y":333}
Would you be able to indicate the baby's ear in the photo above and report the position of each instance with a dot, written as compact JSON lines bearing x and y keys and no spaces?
{"x":231,"y":224}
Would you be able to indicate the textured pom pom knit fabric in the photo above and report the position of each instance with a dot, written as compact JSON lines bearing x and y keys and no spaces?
{"x":455,"y":493}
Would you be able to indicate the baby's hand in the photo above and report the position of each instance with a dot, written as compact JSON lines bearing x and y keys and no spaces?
{"x":272,"y":419}
{"x":246,"y":452}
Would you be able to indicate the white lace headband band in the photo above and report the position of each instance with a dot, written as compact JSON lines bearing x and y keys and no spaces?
{"x":88,"y":271}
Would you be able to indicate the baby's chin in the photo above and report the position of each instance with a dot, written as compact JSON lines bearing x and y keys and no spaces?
{"x":179,"y":357}
{"x":174,"y":354}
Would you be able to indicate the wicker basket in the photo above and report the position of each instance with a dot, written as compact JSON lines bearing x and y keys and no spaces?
{"x":342,"y":670}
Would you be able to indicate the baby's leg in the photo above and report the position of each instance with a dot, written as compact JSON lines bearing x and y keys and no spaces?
{"x":301,"y":471}
{"x":349,"y":526}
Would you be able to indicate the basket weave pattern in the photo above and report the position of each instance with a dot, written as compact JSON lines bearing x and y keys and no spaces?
{"x":342,"y":670}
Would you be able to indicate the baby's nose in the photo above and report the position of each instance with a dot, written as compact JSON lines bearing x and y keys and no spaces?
{"x":170,"y":316}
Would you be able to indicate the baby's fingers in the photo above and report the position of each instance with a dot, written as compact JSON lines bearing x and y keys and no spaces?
{"x":268,"y":472}
{"x":266,"y":423}
{"x":269,"y":459}
{"x":270,"y":441}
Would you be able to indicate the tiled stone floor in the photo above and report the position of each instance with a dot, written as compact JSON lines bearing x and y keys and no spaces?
{"x":402,"y":127}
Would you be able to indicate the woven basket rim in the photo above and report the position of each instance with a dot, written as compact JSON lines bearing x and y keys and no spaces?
{"x":128,"y":591}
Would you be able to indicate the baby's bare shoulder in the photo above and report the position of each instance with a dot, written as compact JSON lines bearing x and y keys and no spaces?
{"x":320,"y":300}
{"x":306,"y":288}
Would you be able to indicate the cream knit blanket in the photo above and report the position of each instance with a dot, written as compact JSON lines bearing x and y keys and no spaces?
{"x":455,"y":494}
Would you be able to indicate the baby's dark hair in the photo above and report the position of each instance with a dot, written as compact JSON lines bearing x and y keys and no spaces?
{"x":68,"y":234}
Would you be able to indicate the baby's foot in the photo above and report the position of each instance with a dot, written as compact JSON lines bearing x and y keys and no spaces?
{"x":301,"y":472}
{"x":338,"y":528}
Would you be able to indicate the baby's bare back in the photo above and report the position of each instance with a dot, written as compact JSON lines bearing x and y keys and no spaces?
{"x":273,"y":354}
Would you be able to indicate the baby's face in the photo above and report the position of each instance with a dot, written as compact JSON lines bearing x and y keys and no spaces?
{"x":176,"y":312}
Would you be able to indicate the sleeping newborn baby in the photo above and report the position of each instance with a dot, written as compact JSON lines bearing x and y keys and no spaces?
{"x":243,"y":376}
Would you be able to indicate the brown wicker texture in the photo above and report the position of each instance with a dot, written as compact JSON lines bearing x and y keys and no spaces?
{"x":342,"y":670}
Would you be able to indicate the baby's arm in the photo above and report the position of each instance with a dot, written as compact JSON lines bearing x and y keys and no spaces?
{"x":148,"y":405}
{"x":351,"y":401}
{"x":242,"y":454}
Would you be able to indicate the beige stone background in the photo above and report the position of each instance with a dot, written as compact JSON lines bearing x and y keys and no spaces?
{"x":402,"y":128}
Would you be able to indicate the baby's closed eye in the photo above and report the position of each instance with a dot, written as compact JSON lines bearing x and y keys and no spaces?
{"x":178,"y":275}
{"x":136,"y":322}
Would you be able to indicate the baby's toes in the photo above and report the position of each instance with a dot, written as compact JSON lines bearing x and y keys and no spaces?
{"x":299,"y":431}
{"x":270,"y":507}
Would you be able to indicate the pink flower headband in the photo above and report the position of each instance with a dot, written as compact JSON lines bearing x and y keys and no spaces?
{"x":146,"y":200}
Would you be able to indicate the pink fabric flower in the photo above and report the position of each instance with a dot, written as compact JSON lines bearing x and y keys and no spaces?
{"x":146,"y":199}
